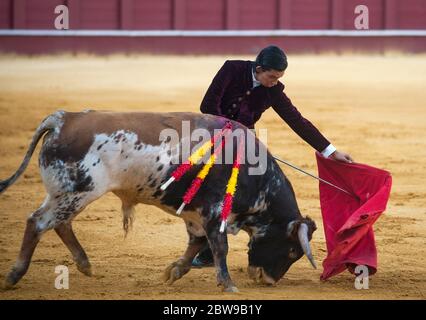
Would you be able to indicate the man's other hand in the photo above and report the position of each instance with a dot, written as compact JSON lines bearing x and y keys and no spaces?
{"x":341,"y":156}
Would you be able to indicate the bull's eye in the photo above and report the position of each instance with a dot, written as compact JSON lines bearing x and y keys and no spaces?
{"x":292,"y":253}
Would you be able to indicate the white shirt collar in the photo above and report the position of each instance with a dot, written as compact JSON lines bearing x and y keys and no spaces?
{"x":256,"y":83}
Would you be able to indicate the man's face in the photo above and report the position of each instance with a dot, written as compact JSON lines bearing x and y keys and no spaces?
{"x":268,"y":78}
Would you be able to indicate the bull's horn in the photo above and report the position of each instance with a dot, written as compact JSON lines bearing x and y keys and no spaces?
{"x":304,"y":242}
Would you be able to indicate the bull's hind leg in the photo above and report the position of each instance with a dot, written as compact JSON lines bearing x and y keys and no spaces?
{"x":55,"y":213}
{"x":37,"y":223}
{"x":66,"y":233}
{"x":179,"y":268}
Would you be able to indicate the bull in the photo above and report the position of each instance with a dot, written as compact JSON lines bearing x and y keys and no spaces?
{"x":87,"y":154}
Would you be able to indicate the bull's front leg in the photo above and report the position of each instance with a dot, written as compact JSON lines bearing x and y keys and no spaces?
{"x":179,"y":268}
{"x":219,"y":245}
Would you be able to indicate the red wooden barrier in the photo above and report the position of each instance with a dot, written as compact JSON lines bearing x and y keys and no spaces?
{"x":210,"y":15}
{"x":213,"y":15}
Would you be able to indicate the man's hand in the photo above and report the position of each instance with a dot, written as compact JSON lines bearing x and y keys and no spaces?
{"x":341,"y":156}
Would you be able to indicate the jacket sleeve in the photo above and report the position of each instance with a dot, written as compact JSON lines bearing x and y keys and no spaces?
{"x":303,"y":127}
{"x":213,"y":97}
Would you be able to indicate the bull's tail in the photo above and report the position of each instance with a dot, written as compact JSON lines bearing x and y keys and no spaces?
{"x":50,"y":123}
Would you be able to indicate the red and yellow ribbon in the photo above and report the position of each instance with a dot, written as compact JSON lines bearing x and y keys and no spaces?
{"x":232,"y":185}
{"x":195,"y":157}
{"x":198,"y":181}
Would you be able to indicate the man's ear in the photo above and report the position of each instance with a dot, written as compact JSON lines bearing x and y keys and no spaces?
{"x":293,"y":227}
{"x":259,"y":69}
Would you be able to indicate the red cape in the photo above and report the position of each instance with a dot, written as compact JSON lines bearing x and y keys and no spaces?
{"x":348,"y":220}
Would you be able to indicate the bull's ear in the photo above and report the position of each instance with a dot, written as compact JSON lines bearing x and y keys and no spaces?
{"x":311,"y":226}
{"x":293,"y":227}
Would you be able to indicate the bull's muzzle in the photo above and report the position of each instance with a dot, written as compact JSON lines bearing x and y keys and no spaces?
{"x":259,"y":275}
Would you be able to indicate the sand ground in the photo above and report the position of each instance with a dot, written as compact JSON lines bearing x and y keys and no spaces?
{"x":370,"y":106}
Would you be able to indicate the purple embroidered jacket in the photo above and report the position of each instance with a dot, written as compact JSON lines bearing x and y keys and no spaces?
{"x":231,"y":95}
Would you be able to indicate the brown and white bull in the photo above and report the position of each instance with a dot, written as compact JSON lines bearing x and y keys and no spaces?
{"x":87,"y":154}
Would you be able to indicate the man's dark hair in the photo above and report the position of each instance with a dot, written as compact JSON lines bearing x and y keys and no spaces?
{"x":272,"y":57}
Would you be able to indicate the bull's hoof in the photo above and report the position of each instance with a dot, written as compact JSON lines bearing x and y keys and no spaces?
{"x":175,"y":271}
{"x":7,"y":285}
{"x":231,"y":289}
{"x":171,"y":275}
{"x":85,"y":268}
{"x":10,"y":281}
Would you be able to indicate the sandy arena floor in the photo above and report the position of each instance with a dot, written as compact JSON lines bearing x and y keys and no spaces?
{"x":370,"y":106}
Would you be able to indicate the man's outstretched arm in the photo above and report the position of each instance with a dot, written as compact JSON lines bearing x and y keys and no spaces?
{"x":305,"y":129}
